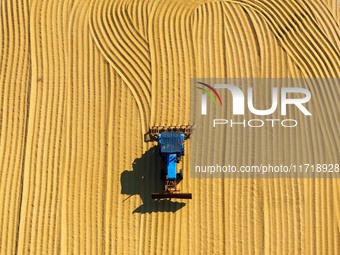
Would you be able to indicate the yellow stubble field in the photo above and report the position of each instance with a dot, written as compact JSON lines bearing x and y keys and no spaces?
{"x":82,"y":81}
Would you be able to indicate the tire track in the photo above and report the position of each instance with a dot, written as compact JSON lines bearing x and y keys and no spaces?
{"x":15,"y":81}
{"x":169,"y":21}
{"x":118,"y":209}
{"x":86,"y":132}
{"x":39,"y":229}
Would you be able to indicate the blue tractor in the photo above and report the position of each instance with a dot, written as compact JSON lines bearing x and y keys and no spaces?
{"x":171,"y":150}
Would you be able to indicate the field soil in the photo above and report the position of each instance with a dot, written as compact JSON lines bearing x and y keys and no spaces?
{"x":82,"y":81}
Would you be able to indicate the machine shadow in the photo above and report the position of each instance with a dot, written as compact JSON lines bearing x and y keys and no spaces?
{"x":144,"y":179}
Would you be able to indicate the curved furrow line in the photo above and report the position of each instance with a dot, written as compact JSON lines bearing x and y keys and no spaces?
{"x":290,"y":228}
{"x":39,"y":188}
{"x":319,"y":138}
{"x":2,"y":36}
{"x":290,"y":44}
{"x":232,"y":54}
{"x":247,"y":50}
{"x":133,"y":36}
{"x":159,"y":59}
{"x":138,"y":15}
{"x":334,"y":8}
{"x":86,"y":131}
{"x":235,"y":60}
{"x":188,"y":52}
{"x":139,"y":96}
{"x":6,"y":109}
{"x":58,"y":157}
{"x":168,"y":108}
{"x":236,"y":46}
{"x":326,"y":85}
{"x":170,"y":80}
{"x":125,"y":56}
{"x":169,"y":87}
{"x":296,"y":57}
{"x":35,"y":128}
{"x":40,"y":215}
{"x":251,"y":61}
{"x":138,"y":101}
{"x":125,"y":44}
{"x":330,"y":130}
{"x":119,"y":229}
{"x":327,"y":22}
{"x":96,"y":167}
{"x":245,"y":61}
{"x":168,"y":20}
{"x":184,"y":57}
{"x":181,"y":94}
{"x":208,"y":67}
{"x":315,"y":35}
{"x":154,"y":68}
{"x":270,"y":51}
{"x":279,"y":35}
{"x":14,"y":103}
{"x":323,"y":61}
{"x":71,"y":151}
{"x":208,"y":34}
{"x":312,"y":130}
{"x":108,"y":36}
{"x":246,"y":58}
{"x":48,"y":228}
{"x":74,"y":121}
{"x":243,"y":29}
{"x":212,"y":63}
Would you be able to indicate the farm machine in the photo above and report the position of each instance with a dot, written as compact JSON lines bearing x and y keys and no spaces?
{"x":171,"y":150}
